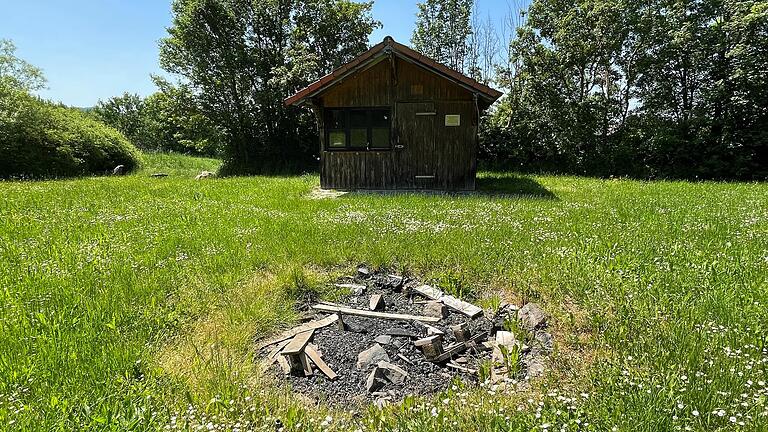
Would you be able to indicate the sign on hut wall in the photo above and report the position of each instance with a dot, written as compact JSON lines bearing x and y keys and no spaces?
{"x":453,"y":120}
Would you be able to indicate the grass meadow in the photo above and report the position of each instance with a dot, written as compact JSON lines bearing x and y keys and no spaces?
{"x":131,"y":303}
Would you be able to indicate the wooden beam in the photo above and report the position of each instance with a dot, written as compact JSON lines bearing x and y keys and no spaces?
{"x":461,"y":332}
{"x":318,"y":361}
{"x":273,"y":355}
{"x":428,"y":292}
{"x":433,"y":330}
{"x":461,"y":368}
{"x":312,"y":325}
{"x":405,"y":359}
{"x":458,"y":348}
{"x":305,"y":364}
{"x":431,"y":346}
{"x":298,"y":343}
{"x":294,"y":353}
{"x":454,"y":350}
{"x":461,"y":306}
{"x":284,"y":365}
{"x":370,"y":314}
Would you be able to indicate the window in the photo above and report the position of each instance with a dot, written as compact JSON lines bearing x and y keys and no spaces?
{"x":379,"y":128}
{"x":336,"y":124}
{"x":358,"y":129}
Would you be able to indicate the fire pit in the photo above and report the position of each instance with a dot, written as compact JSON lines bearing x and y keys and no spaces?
{"x":392,"y":336}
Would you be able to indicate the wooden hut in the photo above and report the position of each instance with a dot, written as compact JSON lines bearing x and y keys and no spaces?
{"x":395,"y":119}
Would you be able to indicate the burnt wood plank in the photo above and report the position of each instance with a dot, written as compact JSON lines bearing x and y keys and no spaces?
{"x":312,"y":325}
{"x":314,"y":356}
{"x":461,"y":306}
{"x":370,"y":314}
{"x":298,"y":343}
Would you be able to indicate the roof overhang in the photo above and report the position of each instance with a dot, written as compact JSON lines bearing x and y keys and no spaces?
{"x":384,"y":50}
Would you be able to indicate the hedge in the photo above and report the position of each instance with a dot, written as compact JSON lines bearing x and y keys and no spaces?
{"x":42,"y":140}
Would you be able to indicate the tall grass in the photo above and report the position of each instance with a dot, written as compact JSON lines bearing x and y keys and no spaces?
{"x":130,"y":303}
{"x":177,"y":166}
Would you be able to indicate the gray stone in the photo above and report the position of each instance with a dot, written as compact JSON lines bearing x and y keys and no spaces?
{"x":383,"y":340}
{"x":204,"y":175}
{"x":435,"y":309}
{"x":535,"y":368}
{"x":506,"y":338}
{"x":542,"y":343}
{"x":394,"y":282}
{"x":371,"y":356}
{"x":376,"y":302}
{"x":532,"y":316}
{"x":376,"y":380}
{"x":363,"y":272}
{"x":389,"y":281}
{"x":507,"y":308}
{"x":354,"y":328}
{"x":392,"y":372}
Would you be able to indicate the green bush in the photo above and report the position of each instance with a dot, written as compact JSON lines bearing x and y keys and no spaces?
{"x":42,"y":140}
{"x":170,"y":120}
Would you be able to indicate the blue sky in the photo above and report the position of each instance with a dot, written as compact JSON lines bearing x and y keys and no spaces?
{"x":95,"y":49}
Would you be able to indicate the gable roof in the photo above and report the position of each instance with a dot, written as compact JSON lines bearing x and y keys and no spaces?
{"x":388,"y":45}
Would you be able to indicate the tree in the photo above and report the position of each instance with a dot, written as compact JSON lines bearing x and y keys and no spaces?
{"x":174,"y":117}
{"x":655,"y":89}
{"x":483,"y":50}
{"x":241,"y":58}
{"x":17,"y":73}
{"x":125,"y":113}
{"x":168,"y":120}
{"x":442,"y":31}
{"x":39,"y":139}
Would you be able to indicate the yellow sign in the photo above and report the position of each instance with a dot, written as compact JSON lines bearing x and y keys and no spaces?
{"x":453,"y":120}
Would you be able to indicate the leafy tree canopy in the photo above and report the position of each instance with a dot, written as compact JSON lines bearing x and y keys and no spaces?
{"x":168,"y":120}
{"x":442,"y":31}
{"x":17,"y":73}
{"x":241,"y":58}
{"x":657,"y":88}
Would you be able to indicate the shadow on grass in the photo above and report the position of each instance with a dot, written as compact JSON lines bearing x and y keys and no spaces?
{"x":500,"y":185}
{"x":511,"y":185}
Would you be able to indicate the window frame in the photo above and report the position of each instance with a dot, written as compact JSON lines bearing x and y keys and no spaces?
{"x":370,"y":127}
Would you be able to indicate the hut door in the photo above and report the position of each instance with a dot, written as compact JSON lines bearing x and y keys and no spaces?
{"x":416,"y":145}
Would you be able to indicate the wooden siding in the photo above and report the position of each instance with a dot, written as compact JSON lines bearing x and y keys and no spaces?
{"x":435,"y":87}
{"x":423,"y":146}
{"x":368,"y":88}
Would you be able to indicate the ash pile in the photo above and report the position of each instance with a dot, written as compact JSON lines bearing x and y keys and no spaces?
{"x":393,"y":336}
